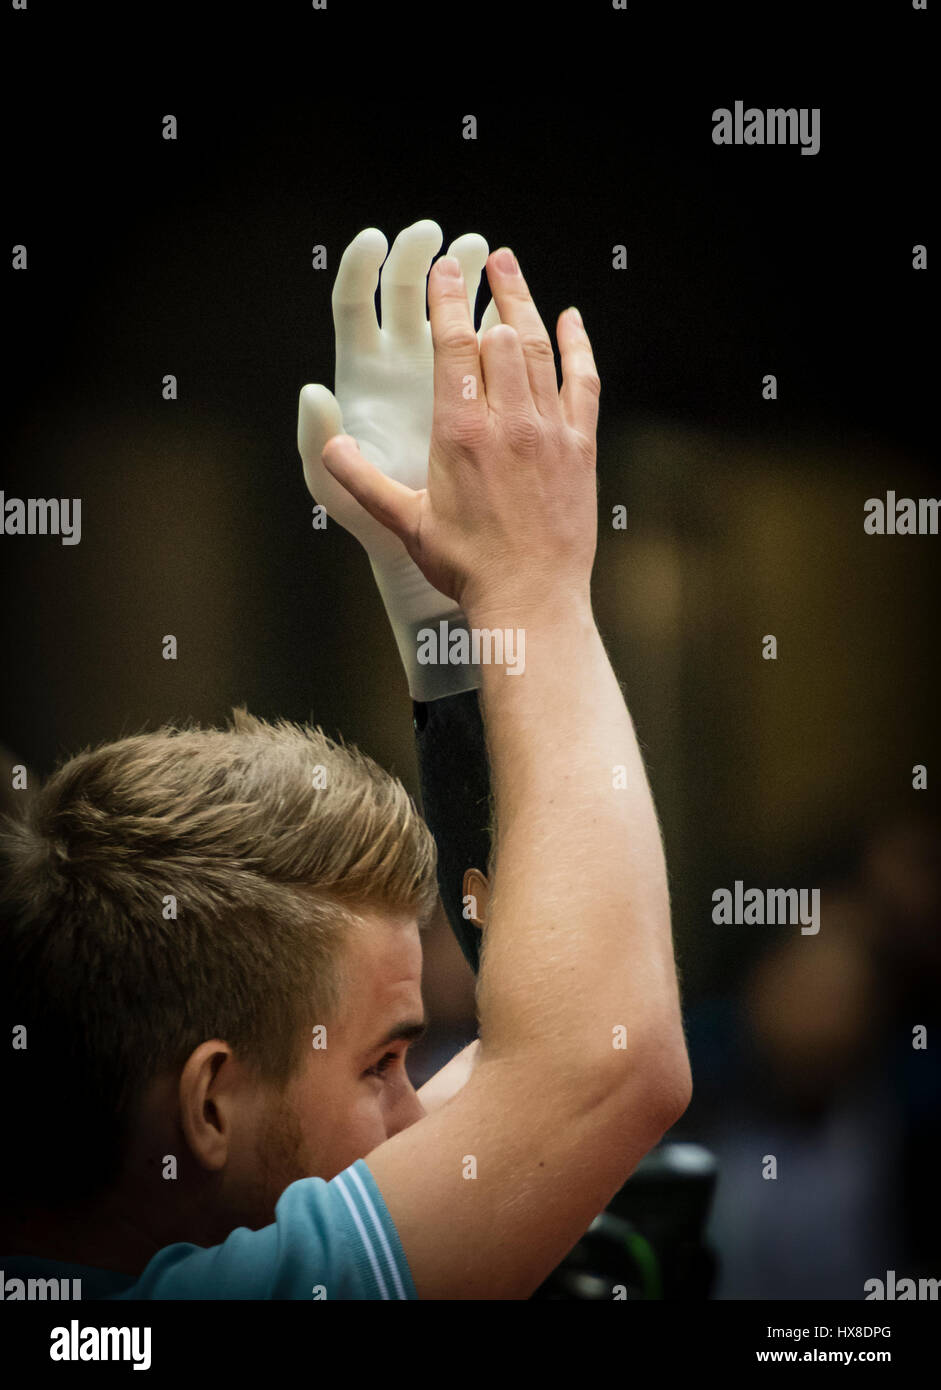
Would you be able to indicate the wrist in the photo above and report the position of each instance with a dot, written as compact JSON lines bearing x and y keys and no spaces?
{"x":552,"y":607}
{"x":430,"y":632}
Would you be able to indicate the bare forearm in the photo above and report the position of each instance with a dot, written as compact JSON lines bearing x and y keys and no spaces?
{"x":578,"y":941}
{"x":577,"y":949}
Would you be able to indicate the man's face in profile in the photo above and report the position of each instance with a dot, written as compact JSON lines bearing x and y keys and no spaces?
{"x":249,"y":1140}
{"x":353,"y":1094}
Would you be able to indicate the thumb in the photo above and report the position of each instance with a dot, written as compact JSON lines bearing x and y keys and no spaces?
{"x":318,"y":418}
{"x":391,"y":503}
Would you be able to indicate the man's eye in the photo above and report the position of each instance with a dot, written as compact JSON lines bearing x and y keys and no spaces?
{"x":382,"y":1065}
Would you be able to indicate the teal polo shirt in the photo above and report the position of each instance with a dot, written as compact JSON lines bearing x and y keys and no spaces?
{"x":328,"y":1240}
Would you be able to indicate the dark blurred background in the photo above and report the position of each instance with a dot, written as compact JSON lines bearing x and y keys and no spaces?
{"x":193,"y":257}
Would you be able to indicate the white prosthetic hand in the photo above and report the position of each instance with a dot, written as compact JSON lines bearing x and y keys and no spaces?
{"x":384,"y":400}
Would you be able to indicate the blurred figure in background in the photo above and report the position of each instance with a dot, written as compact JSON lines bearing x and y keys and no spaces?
{"x":814,"y":1067}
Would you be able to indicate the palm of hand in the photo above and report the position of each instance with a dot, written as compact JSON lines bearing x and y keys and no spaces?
{"x":387,"y":402}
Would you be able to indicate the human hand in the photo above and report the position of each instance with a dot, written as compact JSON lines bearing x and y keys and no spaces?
{"x":508,"y":518}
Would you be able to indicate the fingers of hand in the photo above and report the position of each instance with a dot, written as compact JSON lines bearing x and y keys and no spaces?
{"x":509,"y":395}
{"x":354,"y":292}
{"x":391,"y":503}
{"x":581,"y":386}
{"x":402,"y":291}
{"x":516,"y":307}
{"x":460,"y":401}
{"x":471,"y":252}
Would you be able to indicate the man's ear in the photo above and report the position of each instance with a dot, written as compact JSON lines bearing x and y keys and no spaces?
{"x":204,"y":1104}
{"x":477,"y":888}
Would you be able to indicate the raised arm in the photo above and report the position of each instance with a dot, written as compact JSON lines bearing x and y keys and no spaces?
{"x":582,"y":1063}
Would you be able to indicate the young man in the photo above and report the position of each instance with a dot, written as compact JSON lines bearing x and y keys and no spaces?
{"x":210,"y":939}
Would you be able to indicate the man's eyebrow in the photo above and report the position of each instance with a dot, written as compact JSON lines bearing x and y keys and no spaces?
{"x":409,"y":1031}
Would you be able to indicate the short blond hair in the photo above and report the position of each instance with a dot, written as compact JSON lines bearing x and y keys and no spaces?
{"x":269,"y":838}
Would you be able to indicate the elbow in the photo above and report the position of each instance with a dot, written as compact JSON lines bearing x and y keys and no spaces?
{"x":674,"y":1092}
{"x":660,"y":1088}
